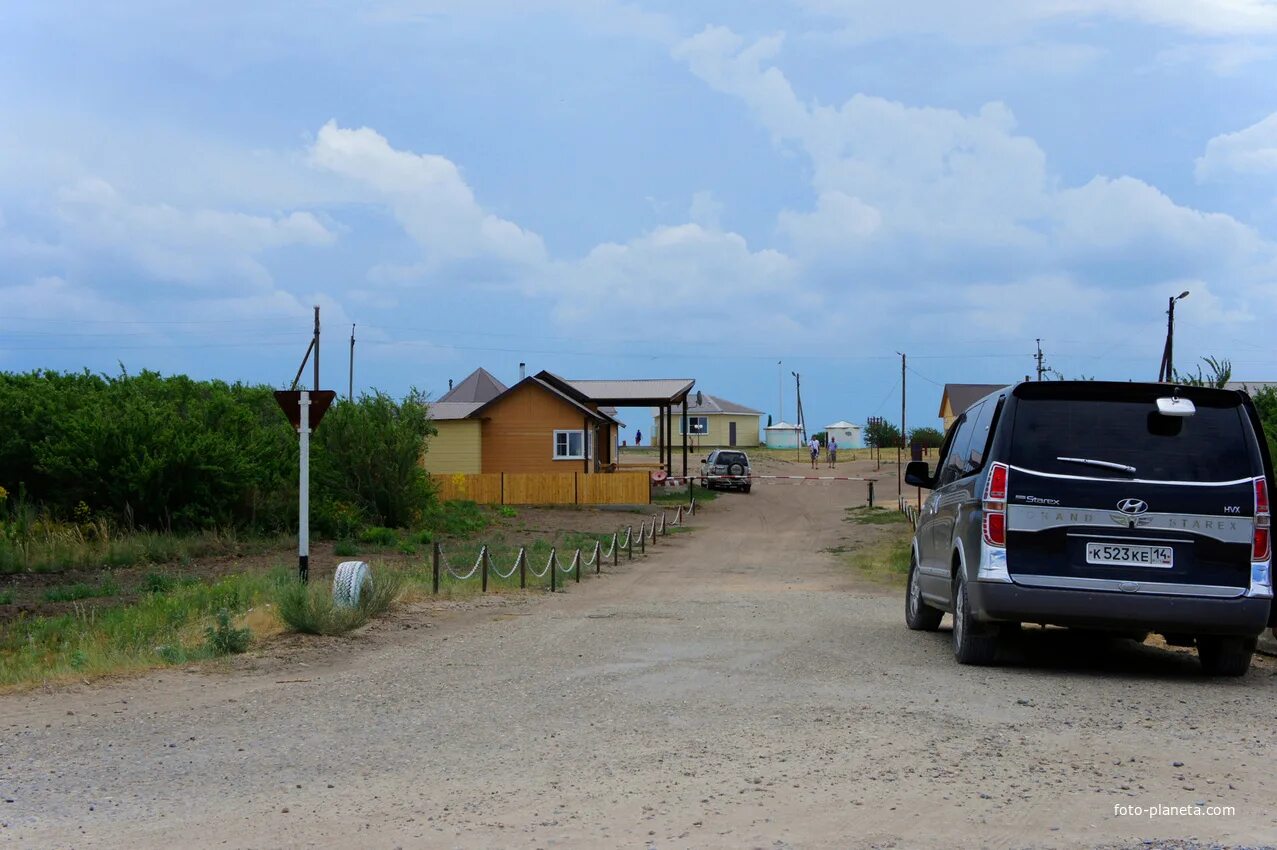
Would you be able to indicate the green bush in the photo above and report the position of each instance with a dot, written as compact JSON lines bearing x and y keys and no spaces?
{"x":377,"y":535}
{"x":455,"y":519}
{"x":157,"y":583}
{"x":72,"y":592}
{"x":223,"y":638}
{"x":6,"y":597}
{"x":171,"y":453}
{"x":345,"y":548}
{"x":310,"y":609}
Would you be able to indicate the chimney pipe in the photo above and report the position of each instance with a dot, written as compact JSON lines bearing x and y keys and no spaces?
{"x":523,"y":371}
{"x":450,"y":385}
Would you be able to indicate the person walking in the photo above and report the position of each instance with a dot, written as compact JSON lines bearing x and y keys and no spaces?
{"x":833,"y":452}
{"x":638,"y":438}
{"x":814,"y":445}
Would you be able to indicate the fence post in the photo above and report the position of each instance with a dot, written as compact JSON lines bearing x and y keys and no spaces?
{"x":629,"y":538}
{"x":483,"y":556}
{"x":871,"y":493}
{"x":578,"y":566}
{"x":435,"y":561}
{"x":643,"y":539}
{"x":616,"y":556}
{"x":523,"y":568}
{"x":554,"y":568}
{"x":598,"y":557}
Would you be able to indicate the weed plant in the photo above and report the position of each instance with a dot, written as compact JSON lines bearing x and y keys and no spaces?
{"x":310,"y":609}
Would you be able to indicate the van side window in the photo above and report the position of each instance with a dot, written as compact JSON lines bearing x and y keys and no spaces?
{"x":959,"y":446}
{"x":980,"y":436}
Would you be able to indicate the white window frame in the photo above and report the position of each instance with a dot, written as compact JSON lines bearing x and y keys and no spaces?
{"x":684,"y":421}
{"x":585,"y":441}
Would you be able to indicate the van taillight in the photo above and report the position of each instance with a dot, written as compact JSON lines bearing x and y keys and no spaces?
{"x":1263,"y":522}
{"x":995,"y":506}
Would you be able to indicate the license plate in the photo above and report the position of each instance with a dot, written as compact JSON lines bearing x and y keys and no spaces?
{"x":1136,"y":556}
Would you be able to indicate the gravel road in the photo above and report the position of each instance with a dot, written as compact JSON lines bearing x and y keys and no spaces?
{"x":740,"y":688}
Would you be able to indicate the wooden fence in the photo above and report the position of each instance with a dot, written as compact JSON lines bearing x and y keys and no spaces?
{"x":546,"y":488}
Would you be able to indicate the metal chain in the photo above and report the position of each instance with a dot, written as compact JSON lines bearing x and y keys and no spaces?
{"x":513,"y":569}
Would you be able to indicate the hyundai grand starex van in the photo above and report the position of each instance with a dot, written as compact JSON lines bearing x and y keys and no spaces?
{"x":1126,"y":508}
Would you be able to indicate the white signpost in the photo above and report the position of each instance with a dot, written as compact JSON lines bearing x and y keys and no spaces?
{"x":304,"y":409}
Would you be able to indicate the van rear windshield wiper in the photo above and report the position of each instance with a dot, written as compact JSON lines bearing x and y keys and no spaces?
{"x":1107,"y":464}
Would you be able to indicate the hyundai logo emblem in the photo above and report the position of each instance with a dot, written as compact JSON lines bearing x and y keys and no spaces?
{"x":1132,"y":506}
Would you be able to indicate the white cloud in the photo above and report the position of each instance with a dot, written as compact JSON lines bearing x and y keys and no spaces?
{"x":429,"y":198}
{"x":986,"y":21}
{"x":190,"y":246}
{"x":668,"y":271}
{"x":706,"y":210}
{"x":1249,"y":151}
{"x":915,"y":199}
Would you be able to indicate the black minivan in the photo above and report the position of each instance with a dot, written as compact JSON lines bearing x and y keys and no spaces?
{"x":1122,"y":507}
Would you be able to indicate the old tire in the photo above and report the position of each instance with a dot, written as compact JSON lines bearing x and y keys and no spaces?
{"x":973,"y":642}
{"x":349,"y":583}
{"x":919,"y":616}
{"x":1225,"y":656}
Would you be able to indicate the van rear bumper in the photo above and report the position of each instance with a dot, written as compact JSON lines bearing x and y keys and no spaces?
{"x":999,"y":601}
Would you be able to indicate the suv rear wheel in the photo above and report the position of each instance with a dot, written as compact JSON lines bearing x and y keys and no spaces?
{"x":919,"y":616}
{"x":1225,"y":656}
{"x":973,"y":642}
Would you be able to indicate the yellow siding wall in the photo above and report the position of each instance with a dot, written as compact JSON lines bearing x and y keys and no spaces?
{"x":747,"y":429}
{"x":518,"y":432}
{"x":457,"y":447}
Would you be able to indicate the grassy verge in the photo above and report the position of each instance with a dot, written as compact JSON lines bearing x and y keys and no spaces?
{"x":178,"y":621}
{"x":162,"y":628}
{"x":885,"y":560}
{"x":54,"y":547}
{"x":673,"y":498}
{"x":865,"y":515}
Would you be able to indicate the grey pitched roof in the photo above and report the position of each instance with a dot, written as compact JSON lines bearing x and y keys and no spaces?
{"x":1250,"y":386}
{"x":442,"y":410}
{"x":711,"y":405}
{"x":479,"y":386}
{"x":638,"y":391}
{"x":962,"y":396}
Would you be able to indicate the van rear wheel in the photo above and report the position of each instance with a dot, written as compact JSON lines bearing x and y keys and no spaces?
{"x":919,"y":616}
{"x":1225,"y":656}
{"x":973,"y":642}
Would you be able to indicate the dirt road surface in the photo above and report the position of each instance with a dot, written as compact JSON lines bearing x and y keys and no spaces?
{"x":741,"y":688}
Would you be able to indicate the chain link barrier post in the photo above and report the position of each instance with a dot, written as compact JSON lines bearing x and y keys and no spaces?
{"x":629,"y":541}
{"x":435,"y":568}
{"x":483,"y":555}
{"x":523,"y":569}
{"x":554,"y":569}
{"x":578,"y":566}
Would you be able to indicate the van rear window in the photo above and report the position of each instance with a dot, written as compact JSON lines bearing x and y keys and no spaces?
{"x":1215,"y":444}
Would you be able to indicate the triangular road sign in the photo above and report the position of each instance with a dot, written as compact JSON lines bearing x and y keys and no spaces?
{"x":290,"y":402}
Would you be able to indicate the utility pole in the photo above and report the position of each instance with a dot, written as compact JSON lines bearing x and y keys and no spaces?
{"x":780,"y":396}
{"x":900,"y":449}
{"x":316,"y":346}
{"x":798,"y":398}
{"x":1039,"y":359}
{"x":350,"y":391}
{"x":1166,"y":372}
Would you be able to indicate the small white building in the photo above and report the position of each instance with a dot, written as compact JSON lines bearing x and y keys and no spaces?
{"x":782,"y":435}
{"x":849,"y":436}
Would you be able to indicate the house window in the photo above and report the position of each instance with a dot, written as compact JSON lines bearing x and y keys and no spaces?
{"x":569,"y":445}
{"x":699,"y":425}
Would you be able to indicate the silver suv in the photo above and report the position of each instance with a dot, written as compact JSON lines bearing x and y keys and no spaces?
{"x":726,"y":468}
{"x":1118,"y":507}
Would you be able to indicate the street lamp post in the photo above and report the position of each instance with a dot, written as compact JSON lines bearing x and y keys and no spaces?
{"x":1167,"y":370}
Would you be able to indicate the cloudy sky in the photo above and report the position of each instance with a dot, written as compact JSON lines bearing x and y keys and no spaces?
{"x":641,"y":189}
